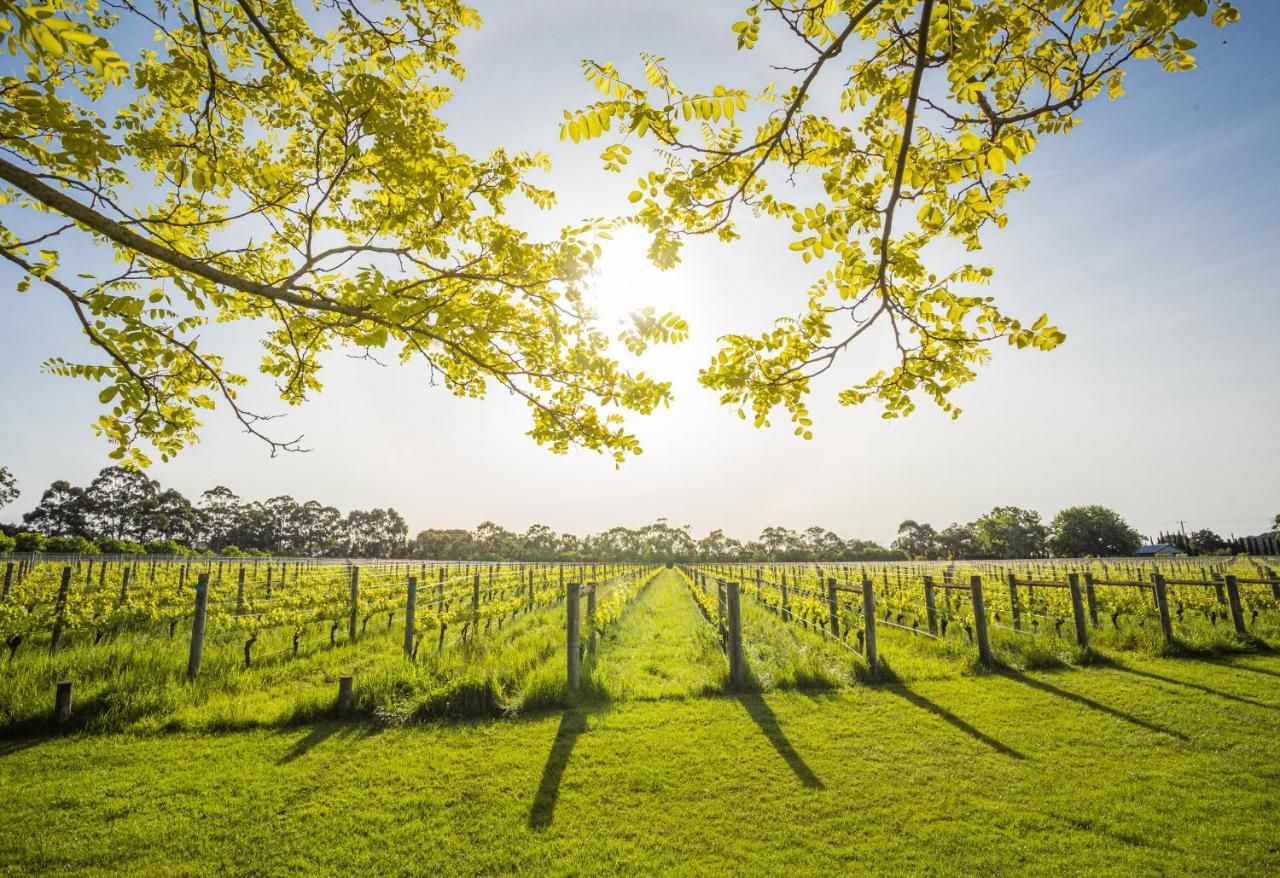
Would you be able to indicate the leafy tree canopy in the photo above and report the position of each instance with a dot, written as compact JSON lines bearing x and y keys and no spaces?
{"x":1096,"y":531}
{"x":288,"y":165}
{"x":913,"y":117}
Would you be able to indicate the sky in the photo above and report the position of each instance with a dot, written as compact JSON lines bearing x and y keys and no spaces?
{"x":1149,"y":235}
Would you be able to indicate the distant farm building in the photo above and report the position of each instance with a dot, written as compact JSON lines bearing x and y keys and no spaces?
{"x":1159,"y":550}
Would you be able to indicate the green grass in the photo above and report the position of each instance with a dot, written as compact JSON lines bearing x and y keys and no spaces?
{"x":1167,"y":766}
{"x":1136,"y":765}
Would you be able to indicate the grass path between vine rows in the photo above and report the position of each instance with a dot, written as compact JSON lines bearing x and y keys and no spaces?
{"x":661,"y":648}
{"x":1161,"y":766}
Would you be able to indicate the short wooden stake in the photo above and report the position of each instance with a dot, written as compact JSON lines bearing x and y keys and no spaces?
{"x":1013,"y":602}
{"x":1233,"y":598}
{"x":573,"y":634}
{"x":344,"y":693}
{"x":62,"y":703}
{"x":930,"y":608}
{"x":355,"y":604}
{"x":591,"y":618}
{"x":410,"y":611}
{"x":980,"y":621}
{"x":833,"y":607}
{"x":1077,"y":610}
{"x":198,"y":626}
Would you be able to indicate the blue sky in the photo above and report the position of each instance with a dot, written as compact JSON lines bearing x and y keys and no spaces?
{"x":1149,"y":234}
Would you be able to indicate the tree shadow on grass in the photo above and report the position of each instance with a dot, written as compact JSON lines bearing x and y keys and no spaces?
{"x":573,"y":723}
{"x":1200,"y":687}
{"x":1085,"y":701}
{"x":942,"y":713}
{"x":767,"y":721}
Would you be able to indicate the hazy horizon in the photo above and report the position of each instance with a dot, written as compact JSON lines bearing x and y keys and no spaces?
{"x":1146,"y":235}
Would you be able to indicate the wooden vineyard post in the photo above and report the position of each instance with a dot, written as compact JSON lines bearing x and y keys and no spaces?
{"x":440,"y":591}
{"x":930,"y":608}
{"x":530,"y":589}
{"x":345,"y":684}
{"x":734,"y":608}
{"x":1217,"y":588}
{"x":572,"y":635}
{"x":591,"y":617}
{"x":783,"y":610}
{"x":198,"y":625}
{"x":720,"y":598}
{"x":60,"y":610}
{"x":410,"y":614}
{"x":124,"y":586}
{"x":1090,"y":599}
{"x":1162,"y":604}
{"x":475,"y":599}
{"x":1013,"y":601}
{"x":980,"y":621}
{"x":1233,"y":598}
{"x":8,"y":581}
{"x":1077,"y":610}
{"x":833,"y":607}
{"x":869,"y":621}
{"x":355,"y":604}
{"x":1275,"y":584}
{"x":62,"y":703}
{"x":239,"y":589}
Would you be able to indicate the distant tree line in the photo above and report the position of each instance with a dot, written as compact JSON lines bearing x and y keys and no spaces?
{"x":122,"y":511}
{"x":1076,"y":532}
{"x":659,"y":541}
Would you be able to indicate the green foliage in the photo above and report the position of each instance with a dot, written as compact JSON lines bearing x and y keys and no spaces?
{"x":8,"y":487}
{"x":939,"y":106}
{"x":7,"y":544}
{"x":165,"y":547}
{"x":288,"y":166}
{"x":26,"y":541}
{"x":1083,"y":531}
{"x":1010,"y":532}
{"x":112,"y":546}
{"x":69,"y":546}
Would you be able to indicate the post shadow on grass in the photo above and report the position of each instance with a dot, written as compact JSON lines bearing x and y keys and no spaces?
{"x":1250,"y":668}
{"x":765,"y":719}
{"x":320,"y":732}
{"x":1200,"y":687}
{"x":17,"y":745}
{"x":951,"y":719}
{"x":1090,"y":703}
{"x":573,"y":722}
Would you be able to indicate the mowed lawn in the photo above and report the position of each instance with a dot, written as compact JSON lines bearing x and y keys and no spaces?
{"x":1163,"y":766}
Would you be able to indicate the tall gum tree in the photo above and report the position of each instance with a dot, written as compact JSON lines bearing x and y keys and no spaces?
{"x":939,"y":101}
{"x":254,"y":160}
